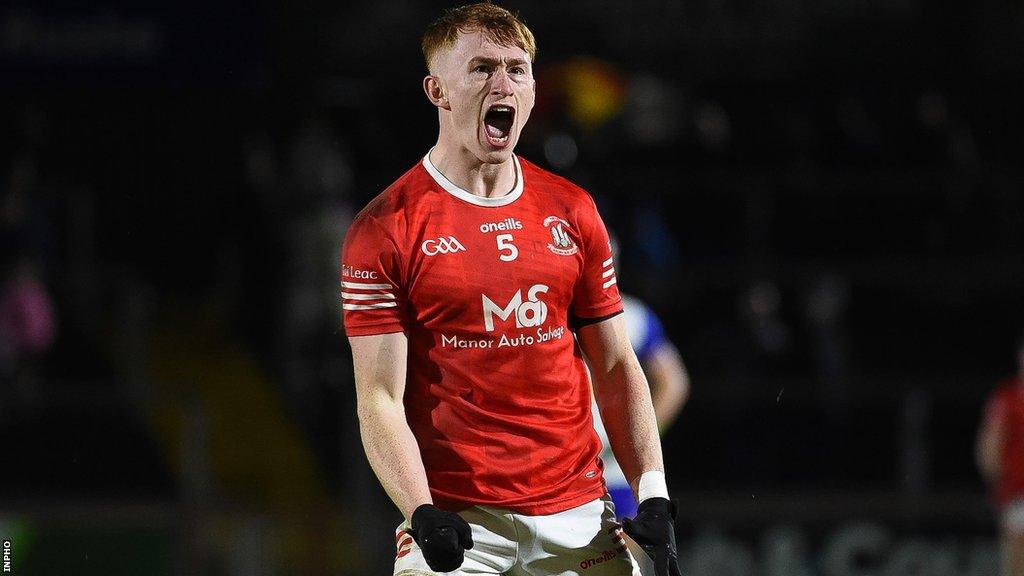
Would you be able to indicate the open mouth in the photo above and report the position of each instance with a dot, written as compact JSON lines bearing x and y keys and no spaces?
{"x":498,"y":124}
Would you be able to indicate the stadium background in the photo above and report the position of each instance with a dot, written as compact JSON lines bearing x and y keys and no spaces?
{"x":821,"y":198}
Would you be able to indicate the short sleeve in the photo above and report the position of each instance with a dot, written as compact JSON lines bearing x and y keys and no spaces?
{"x":372,"y":296}
{"x":596,"y":295}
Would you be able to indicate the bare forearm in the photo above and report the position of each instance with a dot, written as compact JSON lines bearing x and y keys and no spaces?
{"x":380,"y":370}
{"x":628,"y":415}
{"x":394,"y":454}
{"x":624,"y":399}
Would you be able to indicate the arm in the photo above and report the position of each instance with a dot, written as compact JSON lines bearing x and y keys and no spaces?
{"x":670,"y":383}
{"x":391,"y":448}
{"x":623,"y":397}
{"x":625,"y":403}
{"x":989,"y":445}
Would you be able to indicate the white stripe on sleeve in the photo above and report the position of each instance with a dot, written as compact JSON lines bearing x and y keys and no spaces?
{"x":369,"y":306}
{"x":363,"y":286}
{"x":381,"y":296}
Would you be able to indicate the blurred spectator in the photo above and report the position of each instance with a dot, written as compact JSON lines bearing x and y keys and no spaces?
{"x":760,"y":308}
{"x":27,"y":318}
{"x":947,"y":137}
{"x":714,"y":127}
{"x":654,"y":110}
{"x":1000,"y":457}
{"x":667,"y":377}
{"x":318,"y":175}
{"x":28,"y":322}
{"x":824,"y":308}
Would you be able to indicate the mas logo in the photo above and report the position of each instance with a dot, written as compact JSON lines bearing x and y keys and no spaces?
{"x":561,"y":243}
{"x":532,"y":312}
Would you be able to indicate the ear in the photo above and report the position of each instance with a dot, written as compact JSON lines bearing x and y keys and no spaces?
{"x":435,"y":93}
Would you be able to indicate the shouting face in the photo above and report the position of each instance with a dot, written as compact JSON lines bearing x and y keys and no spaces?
{"x":485,"y":92}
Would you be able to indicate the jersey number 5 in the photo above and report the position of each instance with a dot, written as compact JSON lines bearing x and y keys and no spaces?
{"x":505,"y":245}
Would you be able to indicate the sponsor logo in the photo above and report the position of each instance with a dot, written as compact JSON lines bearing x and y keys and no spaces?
{"x":441,"y":245}
{"x":615,"y":534}
{"x":503,"y":226}
{"x":591,"y":474}
{"x":589,"y":562}
{"x":541,"y":336}
{"x":350,"y":272}
{"x":561,"y":243}
{"x":531,"y":312}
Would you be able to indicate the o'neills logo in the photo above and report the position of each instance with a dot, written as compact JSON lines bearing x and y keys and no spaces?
{"x":561,"y":243}
{"x":504,"y":225}
{"x":589,"y":562}
{"x":350,"y":272}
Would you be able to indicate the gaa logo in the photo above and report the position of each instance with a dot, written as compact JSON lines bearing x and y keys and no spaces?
{"x":533,"y":312}
{"x":441,"y":245}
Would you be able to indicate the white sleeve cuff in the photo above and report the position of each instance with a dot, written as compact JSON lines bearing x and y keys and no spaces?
{"x":651,"y":485}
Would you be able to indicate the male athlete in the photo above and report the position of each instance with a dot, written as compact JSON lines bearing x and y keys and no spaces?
{"x":471,"y":289}
{"x":1000,"y":455}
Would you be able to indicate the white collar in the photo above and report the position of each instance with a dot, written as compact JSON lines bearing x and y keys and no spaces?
{"x":454,"y":190}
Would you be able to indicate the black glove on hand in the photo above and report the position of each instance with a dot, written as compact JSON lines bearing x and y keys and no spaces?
{"x":654,"y":531}
{"x":443,"y":537}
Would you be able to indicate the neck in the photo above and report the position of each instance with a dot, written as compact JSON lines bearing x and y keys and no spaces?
{"x":467,"y":171}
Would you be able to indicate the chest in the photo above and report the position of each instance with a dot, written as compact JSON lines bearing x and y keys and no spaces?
{"x":510,"y":265}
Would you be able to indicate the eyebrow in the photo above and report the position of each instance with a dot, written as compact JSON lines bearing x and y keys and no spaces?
{"x":496,"y":62}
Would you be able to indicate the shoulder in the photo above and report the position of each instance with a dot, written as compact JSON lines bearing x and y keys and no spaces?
{"x":1009,"y":389}
{"x":553,"y":184}
{"x":390,"y":209}
{"x":1008,"y":386}
{"x":1006,"y":393}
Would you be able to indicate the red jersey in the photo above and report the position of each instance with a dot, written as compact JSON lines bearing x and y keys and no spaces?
{"x":1006,"y":404}
{"x":486,"y":290}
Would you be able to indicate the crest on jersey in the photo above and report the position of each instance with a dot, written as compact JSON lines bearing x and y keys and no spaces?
{"x":561,"y":243}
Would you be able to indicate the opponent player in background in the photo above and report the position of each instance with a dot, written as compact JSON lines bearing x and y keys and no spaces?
{"x":469,"y":287}
{"x":1000,"y":455}
{"x":667,"y":376}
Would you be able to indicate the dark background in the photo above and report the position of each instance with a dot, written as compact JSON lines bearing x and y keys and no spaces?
{"x":822,"y":200}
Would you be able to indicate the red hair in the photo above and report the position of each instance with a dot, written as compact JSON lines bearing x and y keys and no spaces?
{"x":502,"y":26}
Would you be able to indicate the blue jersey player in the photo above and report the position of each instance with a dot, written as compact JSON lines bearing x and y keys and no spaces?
{"x":670,"y":386}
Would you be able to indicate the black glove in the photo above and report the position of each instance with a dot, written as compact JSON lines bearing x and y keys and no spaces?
{"x":654,"y":531}
{"x":442,"y":536}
